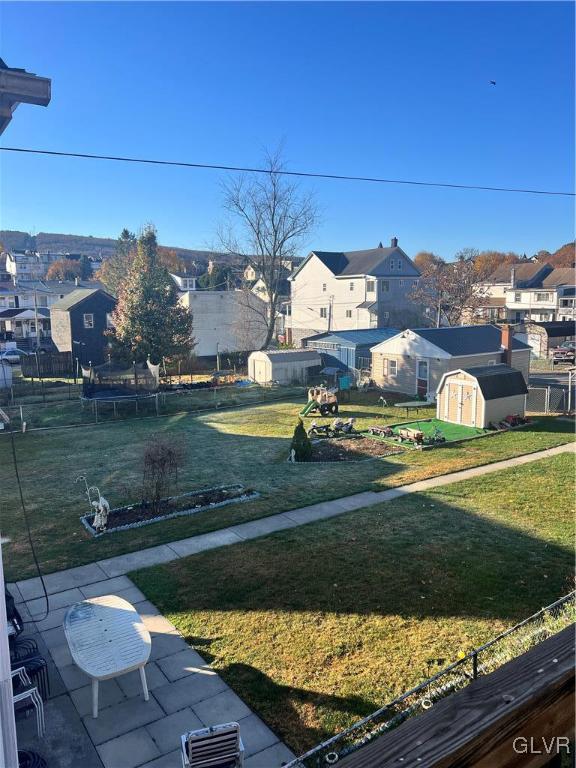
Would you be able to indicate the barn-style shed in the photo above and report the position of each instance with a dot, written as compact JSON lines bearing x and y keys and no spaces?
{"x":479,"y":396}
{"x":286,"y":366}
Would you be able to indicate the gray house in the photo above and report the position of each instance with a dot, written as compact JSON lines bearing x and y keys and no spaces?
{"x":79,"y":322}
{"x":414,"y":361}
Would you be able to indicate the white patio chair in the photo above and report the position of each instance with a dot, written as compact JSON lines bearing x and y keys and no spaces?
{"x":28,"y":697}
{"x":219,"y":746}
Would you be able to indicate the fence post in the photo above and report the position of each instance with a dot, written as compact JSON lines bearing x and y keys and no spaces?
{"x":474,"y":665}
{"x":547,"y":401}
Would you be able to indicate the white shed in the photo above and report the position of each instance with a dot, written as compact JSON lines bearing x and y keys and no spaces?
{"x":286,"y":366}
{"x":5,"y":376}
{"x":479,"y":396}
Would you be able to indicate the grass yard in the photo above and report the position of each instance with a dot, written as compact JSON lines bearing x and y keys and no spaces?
{"x":243,"y":445}
{"x":317,"y":626}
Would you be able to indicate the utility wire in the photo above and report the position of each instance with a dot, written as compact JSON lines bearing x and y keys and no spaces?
{"x":302,"y":174}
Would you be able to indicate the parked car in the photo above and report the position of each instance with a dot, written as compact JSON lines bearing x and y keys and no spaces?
{"x":565,"y":355}
{"x":13,"y":355}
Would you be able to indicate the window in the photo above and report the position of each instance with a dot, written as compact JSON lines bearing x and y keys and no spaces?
{"x":422,"y":369}
{"x":88,"y":321}
{"x":385,"y":315}
{"x":323,"y":312}
{"x":370,"y":286}
{"x":402,"y":283}
{"x":323,"y":287}
{"x":351,"y":286}
{"x":517,"y":297}
{"x":392,"y":367}
{"x":42,"y":301}
{"x":399,"y":262}
{"x":542,"y":297}
{"x":109,"y":323}
{"x":384,"y":286}
{"x":348,"y":313}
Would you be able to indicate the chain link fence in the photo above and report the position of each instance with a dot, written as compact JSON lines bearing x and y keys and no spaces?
{"x":550,"y":399}
{"x":481,"y":661}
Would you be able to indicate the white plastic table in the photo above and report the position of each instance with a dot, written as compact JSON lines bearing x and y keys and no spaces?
{"x":107,"y":638}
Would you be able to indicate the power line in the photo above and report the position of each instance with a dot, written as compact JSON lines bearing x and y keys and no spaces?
{"x":302,"y":174}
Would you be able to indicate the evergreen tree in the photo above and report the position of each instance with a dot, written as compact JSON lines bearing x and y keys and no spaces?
{"x":148,"y":321}
{"x":114,"y":269}
{"x":301,"y":443}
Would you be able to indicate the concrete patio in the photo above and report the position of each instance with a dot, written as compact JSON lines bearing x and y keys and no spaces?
{"x":185,"y":693}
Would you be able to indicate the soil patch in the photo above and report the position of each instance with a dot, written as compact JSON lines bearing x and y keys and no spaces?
{"x":137,"y":515}
{"x":354,"y":448}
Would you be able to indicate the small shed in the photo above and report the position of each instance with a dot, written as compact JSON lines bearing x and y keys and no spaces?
{"x":286,"y":366}
{"x":348,"y":349}
{"x":481,"y":395}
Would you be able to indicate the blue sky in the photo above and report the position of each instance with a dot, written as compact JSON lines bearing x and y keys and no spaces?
{"x":398,"y":90}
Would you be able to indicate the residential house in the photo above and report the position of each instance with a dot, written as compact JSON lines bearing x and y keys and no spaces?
{"x":26,"y":305}
{"x":544,"y":337}
{"x":507,"y":278}
{"x":550,"y":299}
{"x":414,"y":361}
{"x":337,"y":291}
{"x":226,"y":321}
{"x":184,"y":281}
{"x":348,"y":349}
{"x":79,"y":322}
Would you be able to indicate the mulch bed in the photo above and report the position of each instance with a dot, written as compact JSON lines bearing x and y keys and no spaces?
{"x":351,"y":449}
{"x":137,"y":515}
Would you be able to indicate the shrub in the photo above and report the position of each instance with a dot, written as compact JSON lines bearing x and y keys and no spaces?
{"x":161,"y":460}
{"x":301,"y":443}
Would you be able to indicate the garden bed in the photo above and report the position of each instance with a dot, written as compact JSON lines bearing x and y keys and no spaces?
{"x":138,"y":515}
{"x":354,"y":448}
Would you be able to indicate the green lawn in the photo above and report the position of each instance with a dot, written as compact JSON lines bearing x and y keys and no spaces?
{"x":242,"y":445}
{"x":317,"y":626}
{"x":450,"y":431}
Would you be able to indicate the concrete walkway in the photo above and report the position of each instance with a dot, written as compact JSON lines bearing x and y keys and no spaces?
{"x":164,"y":553}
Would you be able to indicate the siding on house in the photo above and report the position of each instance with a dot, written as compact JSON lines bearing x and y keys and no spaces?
{"x":405,"y":379}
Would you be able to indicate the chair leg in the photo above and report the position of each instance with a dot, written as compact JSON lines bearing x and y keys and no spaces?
{"x":94,"y":698}
{"x":144,"y":683}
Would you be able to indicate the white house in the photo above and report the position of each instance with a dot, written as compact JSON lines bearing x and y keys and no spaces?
{"x":550,"y":299}
{"x":226,"y":321}
{"x":334,"y":291}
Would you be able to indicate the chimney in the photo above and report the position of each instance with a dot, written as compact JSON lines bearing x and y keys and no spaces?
{"x":507,"y":343}
{"x":394,"y":242}
{"x":513,"y":277}
{"x":380,"y":244}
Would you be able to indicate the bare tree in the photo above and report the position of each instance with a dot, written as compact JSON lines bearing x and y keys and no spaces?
{"x":449,"y":291}
{"x":270,"y":218}
{"x":160,"y":462}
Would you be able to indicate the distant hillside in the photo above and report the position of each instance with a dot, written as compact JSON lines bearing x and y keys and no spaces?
{"x":563,"y":257}
{"x":90,"y":246}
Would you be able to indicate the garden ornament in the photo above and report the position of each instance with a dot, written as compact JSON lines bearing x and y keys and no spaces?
{"x":101,"y":512}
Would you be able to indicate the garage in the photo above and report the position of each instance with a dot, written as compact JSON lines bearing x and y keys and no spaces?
{"x":284,"y":366}
{"x":481,"y":395}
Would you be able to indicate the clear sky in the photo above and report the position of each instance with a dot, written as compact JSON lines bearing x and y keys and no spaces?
{"x":399,"y":90}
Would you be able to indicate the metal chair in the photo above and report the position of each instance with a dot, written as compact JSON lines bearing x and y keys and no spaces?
{"x":219,"y":746}
{"x":26,"y":698}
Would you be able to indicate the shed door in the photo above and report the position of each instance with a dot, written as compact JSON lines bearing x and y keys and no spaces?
{"x":460,"y":403}
{"x":260,"y":370}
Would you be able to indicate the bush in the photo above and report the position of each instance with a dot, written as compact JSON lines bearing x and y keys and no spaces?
{"x":301,"y":444}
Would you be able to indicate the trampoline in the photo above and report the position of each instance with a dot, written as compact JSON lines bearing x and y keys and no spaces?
{"x":114,"y":383}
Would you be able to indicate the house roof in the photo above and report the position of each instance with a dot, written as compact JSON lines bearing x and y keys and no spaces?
{"x":76,"y":297}
{"x":493,"y":301}
{"x":557,"y":328}
{"x":287,"y":355}
{"x":367,"y":262}
{"x":525,"y":273}
{"x":17,"y":312}
{"x":498,"y":380}
{"x":463,"y":340}
{"x":362,"y":337}
{"x":367,"y":305}
{"x":560,"y":276}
